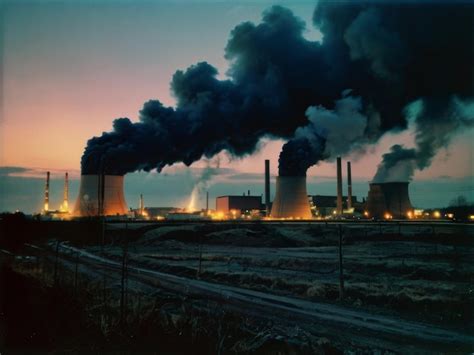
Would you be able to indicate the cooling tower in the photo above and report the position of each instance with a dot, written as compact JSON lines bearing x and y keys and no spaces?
{"x":291,"y":198}
{"x":389,"y":198}
{"x":93,"y":190}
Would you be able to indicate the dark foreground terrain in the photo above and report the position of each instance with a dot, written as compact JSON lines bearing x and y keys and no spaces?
{"x":230,"y":288}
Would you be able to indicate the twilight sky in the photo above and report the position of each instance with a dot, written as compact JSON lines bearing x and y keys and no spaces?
{"x":71,"y":67}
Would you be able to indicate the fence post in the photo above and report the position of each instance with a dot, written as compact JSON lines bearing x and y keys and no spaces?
{"x":75,"y":273}
{"x":56,"y":264}
{"x":200,"y":257}
{"x":341,"y":271}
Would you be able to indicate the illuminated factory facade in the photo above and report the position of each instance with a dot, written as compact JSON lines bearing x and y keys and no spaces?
{"x":238,"y":204}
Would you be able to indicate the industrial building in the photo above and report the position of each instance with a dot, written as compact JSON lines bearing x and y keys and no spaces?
{"x":324,"y":205}
{"x":101,"y":195}
{"x":389,"y":200}
{"x":291,"y":198}
{"x":241,"y":204}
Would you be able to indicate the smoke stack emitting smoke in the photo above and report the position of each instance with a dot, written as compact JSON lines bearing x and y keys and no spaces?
{"x":327,"y":98}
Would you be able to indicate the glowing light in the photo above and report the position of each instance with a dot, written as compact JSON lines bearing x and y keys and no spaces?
{"x":450,"y":215}
{"x":366,"y":213}
{"x":192,"y":202}
{"x":418,"y":213}
{"x":436,"y":214}
{"x":387,"y":216}
{"x":409,"y":215}
{"x":471,"y":217}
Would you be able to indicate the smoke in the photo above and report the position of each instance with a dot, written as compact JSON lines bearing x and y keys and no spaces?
{"x":397,"y":166}
{"x":435,"y":125}
{"x":388,"y":54}
{"x":203,"y":181}
{"x":328,"y":134}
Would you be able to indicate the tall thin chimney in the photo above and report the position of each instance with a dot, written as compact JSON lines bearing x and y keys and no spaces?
{"x":339,"y":187}
{"x":207,"y":201}
{"x":267,"y":186}
{"x":46,"y":193}
{"x":66,"y":193}
{"x":142,"y":205}
{"x":349,"y":186}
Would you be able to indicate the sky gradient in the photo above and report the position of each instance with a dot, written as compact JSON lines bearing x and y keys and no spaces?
{"x":71,"y":67}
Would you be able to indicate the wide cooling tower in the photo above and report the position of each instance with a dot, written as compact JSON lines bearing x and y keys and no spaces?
{"x":291,"y":198}
{"x":389,"y":198}
{"x":90,"y":193}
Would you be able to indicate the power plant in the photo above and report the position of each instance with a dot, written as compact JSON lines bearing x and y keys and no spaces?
{"x":291,"y":198}
{"x":101,"y":195}
{"x":389,"y":200}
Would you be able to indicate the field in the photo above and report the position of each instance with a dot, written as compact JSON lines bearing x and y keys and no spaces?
{"x":419,"y":273}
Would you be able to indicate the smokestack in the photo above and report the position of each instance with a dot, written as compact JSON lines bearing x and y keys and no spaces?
{"x":101,"y":195}
{"x":339,"y":187}
{"x":291,"y":198}
{"x":267,"y":186}
{"x":207,"y":201}
{"x":65,"y":206}
{"x":46,"y":194}
{"x":349,"y":186}
{"x":142,"y":205}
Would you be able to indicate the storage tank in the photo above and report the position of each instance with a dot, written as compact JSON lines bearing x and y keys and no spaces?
{"x":92,"y":188}
{"x":389,"y":199}
{"x":291,"y":198}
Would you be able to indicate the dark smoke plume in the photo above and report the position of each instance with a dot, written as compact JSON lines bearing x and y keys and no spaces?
{"x":437,"y":121}
{"x":388,"y":54}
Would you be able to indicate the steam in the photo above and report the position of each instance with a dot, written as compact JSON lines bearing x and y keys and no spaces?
{"x":436,"y":123}
{"x":388,"y":54}
{"x":328,"y":134}
{"x":202,"y":183}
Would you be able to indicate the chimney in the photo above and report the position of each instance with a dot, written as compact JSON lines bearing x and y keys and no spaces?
{"x":267,"y":186}
{"x":349,"y":186}
{"x":248,"y":193}
{"x":207,"y":201}
{"x":46,"y":194}
{"x":339,"y":187}
{"x":66,"y":193}
{"x":142,"y":205}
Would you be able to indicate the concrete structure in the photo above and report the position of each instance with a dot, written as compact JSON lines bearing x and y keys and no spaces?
{"x":349,"y":186}
{"x":291,"y":198}
{"x":101,"y":195}
{"x":389,"y":200}
{"x":339,"y":187}
{"x":46,"y":194}
{"x":141,"y":206}
{"x":267,"y":186}
{"x":65,"y":205}
{"x":226,"y":204}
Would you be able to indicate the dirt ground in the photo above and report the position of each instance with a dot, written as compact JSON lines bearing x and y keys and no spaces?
{"x":422,"y":273}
